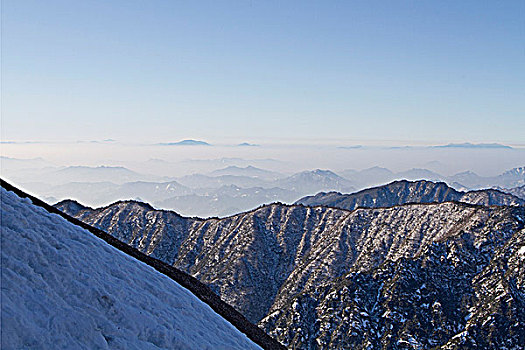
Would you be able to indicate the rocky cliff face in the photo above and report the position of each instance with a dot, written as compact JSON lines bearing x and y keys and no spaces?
{"x":411,"y":276}
{"x":403,"y":192}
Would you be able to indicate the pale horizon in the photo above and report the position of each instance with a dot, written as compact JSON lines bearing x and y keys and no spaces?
{"x":419,"y":73}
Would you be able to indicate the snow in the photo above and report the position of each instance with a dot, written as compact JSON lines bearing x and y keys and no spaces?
{"x":521,"y":252}
{"x":62,"y":287}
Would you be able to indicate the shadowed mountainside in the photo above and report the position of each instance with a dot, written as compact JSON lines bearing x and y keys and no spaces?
{"x":281,"y":265}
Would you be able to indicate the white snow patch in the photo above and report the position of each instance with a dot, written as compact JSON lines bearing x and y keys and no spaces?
{"x":521,"y":252}
{"x":63,"y":288}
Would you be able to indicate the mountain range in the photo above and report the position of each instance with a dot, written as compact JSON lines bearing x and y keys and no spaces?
{"x":52,"y":175}
{"x":225,"y":192}
{"x":228,"y":190}
{"x":249,"y":171}
{"x":467,"y":180}
{"x":474,"y":145}
{"x":422,"y":275}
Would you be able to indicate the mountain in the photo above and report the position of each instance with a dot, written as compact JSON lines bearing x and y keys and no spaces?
{"x":14,"y":164}
{"x":377,"y":176}
{"x":464,"y":180}
{"x":474,"y":145}
{"x":195,"y":195}
{"x":516,"y":191}
{"x":204,"y":181}
{"x":226,"y":200}
{"x":63,"y":175}
{"x":63,"y":287}
{"x":185,"y":143}
{"x":205,"y":202}
{"x":452,"y":294}
{"x":419,"y":174}
{"x":402,"y":192}
{"x":368,"y":177}
{"x":510,"y":178}
{"x":150,"y":191}
{"x":243,"y":187}
{"x":303,"y":183}
{"x":249,"y":171}
{"x":90,"y":193}
{"x":470,"y":179}
{"x":102,"y":173}
{"x":309,"y":182}
{"x":103,"y":193}
{"x":441,"y":275}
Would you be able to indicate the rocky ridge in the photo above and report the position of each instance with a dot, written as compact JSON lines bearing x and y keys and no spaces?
{"x":318,"y":277}
{"x":403,"y":192}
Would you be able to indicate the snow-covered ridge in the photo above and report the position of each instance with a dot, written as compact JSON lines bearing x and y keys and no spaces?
{"x":62,"y":287}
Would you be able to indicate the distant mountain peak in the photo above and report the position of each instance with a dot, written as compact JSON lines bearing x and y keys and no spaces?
{"x":188,"y":142}
{"x":515,"y":171}
{"x":249,"y":170}
{"x":71,"y":206}
{"x":467,"y":172}
{"x":118,"y":167}
{"x":320,"y":172}
{"x":474,"y":145}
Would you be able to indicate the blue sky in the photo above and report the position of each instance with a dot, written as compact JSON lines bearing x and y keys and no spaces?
{"x":269,"y":71}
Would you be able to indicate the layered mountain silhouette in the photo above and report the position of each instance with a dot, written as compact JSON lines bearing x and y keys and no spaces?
{"x":474,"y":145}
{"x":316,"y":180}
{"x":224,"y":192}
{"x":464,"y":180}
{"x":422,"y":275}
{"x":52,"y":176}
{"x":233,"y":187}
{"x":249,"y":170}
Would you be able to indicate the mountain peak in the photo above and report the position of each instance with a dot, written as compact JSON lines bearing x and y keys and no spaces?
{"x":188,"y":142}
{"x":70,"y":206}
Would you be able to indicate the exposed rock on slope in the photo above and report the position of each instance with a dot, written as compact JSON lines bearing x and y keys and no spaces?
{"x":407,"y":276}
{"x":402,"y":192}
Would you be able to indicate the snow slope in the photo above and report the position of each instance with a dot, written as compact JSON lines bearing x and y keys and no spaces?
{"x":62,"y":287}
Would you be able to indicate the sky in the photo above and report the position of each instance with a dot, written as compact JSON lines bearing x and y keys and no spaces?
{"x":298,"y":72}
